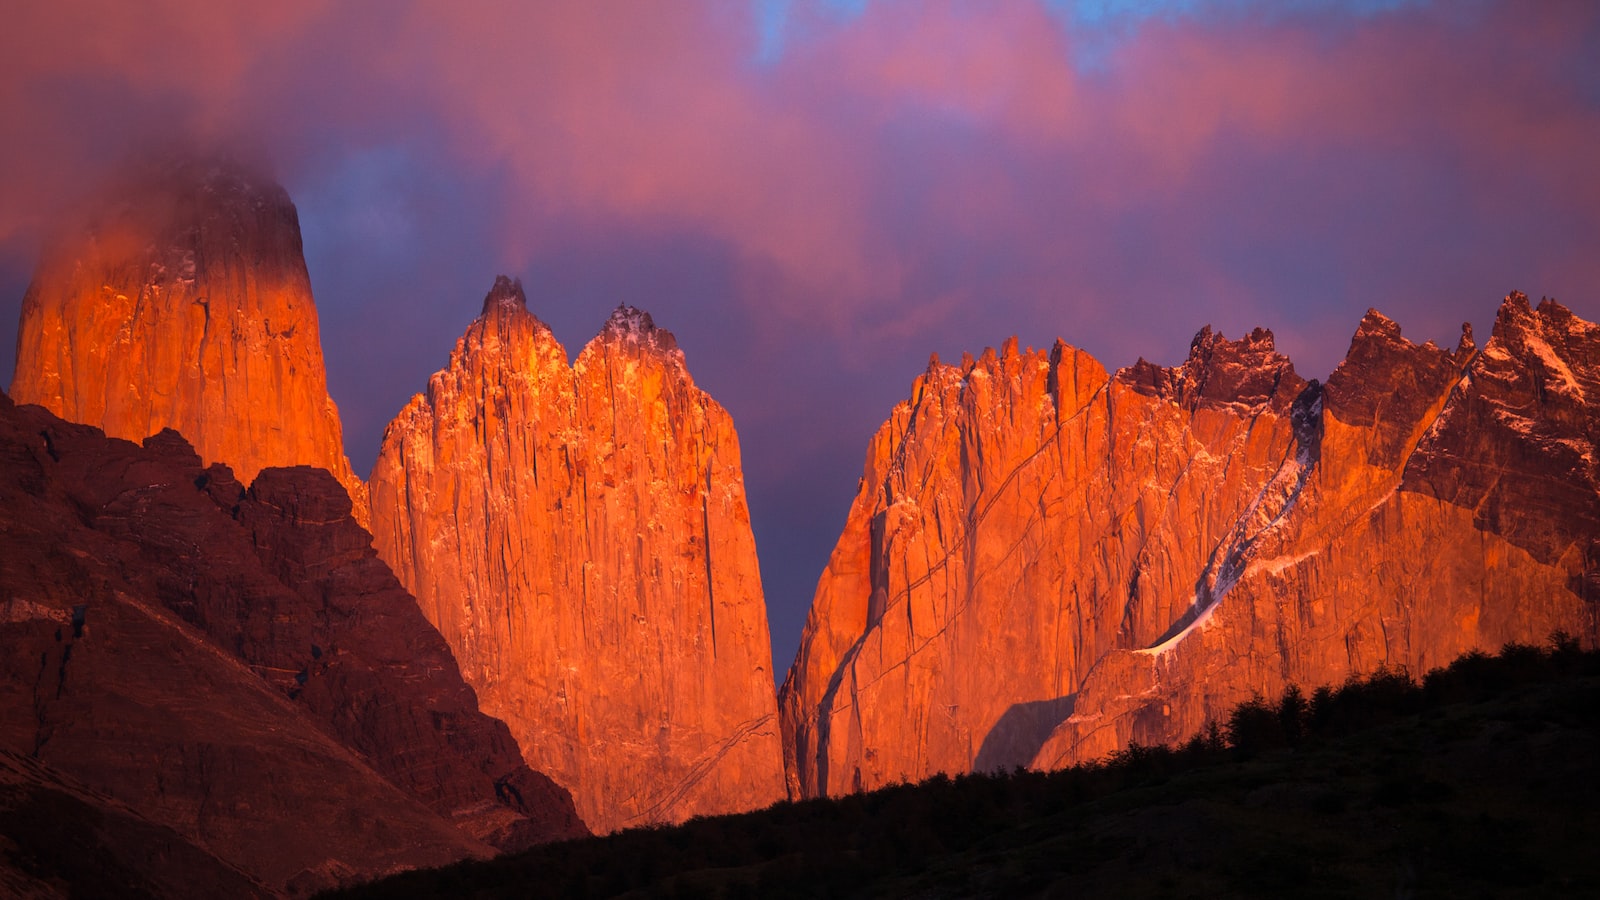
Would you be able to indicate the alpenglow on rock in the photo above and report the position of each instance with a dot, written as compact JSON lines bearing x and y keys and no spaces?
{"x":1046,"y":562}
{"x":182,"y":301}
{"x":579,"y":534}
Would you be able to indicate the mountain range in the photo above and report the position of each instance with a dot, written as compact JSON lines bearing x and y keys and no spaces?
{"x":542,"y":615}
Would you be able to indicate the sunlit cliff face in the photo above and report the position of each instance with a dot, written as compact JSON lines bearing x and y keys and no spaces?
{"x":183,"y":302}
{"x":1044,"y":563}
{"x":579,"y":534}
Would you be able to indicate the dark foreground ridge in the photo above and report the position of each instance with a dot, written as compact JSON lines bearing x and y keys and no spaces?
{"x":206,"y":685}
{"x":1478,"y":780}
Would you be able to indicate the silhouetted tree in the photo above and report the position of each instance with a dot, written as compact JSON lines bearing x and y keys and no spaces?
{"x":833,"y":846}
{"x":1253,"y":727}
{"x":1292,"y":714}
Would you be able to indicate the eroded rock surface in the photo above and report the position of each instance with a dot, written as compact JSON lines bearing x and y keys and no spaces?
{"x":580,"y":536}
{"x":1045,"y":562}
{"x":182,"y":301}
{"x":238,"y":666}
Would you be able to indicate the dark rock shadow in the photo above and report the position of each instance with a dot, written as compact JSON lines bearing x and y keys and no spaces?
{"x":1020,"y":732}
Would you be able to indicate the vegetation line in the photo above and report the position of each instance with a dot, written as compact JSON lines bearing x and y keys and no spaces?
{"x":1471,"y":778}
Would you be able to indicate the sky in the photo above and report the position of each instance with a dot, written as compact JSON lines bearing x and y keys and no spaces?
{"x":814,"y":195}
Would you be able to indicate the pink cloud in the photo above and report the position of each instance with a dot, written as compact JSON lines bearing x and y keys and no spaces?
{"x":647,"y":112}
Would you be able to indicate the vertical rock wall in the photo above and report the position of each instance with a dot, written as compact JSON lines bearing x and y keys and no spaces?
{"x":183,"y":302}
{"x":1045,"y":563}
{"x":579,"y":534}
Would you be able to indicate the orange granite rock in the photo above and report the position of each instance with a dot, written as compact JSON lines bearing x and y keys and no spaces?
{"x":579,"y":534}
{"x":1034,"y":571}
{"x":1448,"y":502}
{"x":182,"y":301}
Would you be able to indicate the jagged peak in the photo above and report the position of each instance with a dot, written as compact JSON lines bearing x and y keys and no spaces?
{"x":1376,"y":324}
{"x":1549,"y":308}
{"x":1376,"y":332}
{"x":504,"y":323}
{"x":1246,"y":371}
{"x":1148,"y":378}
{"x":505,"y":294}
{"x":1060,"y":350}
{"x":629,"y":320}
{"x":1388,"y":381}
{"x":1009,"y":360}
{"x":1211,"y":350}
{"x":1548,"y":343}
{"x":1514,"y":306}
{"x":1517,"y":316}
{"x":1514,"y":318}
{"x":1206,"y":342}
{"x":631,"y":326}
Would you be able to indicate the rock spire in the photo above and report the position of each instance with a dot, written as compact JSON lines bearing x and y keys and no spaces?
{"x":580,"y":536}
{"x":182,"y":301}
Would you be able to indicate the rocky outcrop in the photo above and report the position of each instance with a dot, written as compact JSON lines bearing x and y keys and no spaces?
{"x":182,"y":301}
{"x":1045,"y":563}
{"x":238,"y":666}
{"x":580,"y":536}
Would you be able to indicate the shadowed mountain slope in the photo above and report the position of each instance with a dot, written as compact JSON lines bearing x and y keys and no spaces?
{"x":238,"y":666}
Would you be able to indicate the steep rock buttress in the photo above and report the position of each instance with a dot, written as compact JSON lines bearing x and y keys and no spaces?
{"x":580,"y":536}
{"x":1045,"y":562}
{"x":182,"y":301}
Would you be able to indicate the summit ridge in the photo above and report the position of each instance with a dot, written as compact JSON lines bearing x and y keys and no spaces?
{"x":1146,"y":548}
{"x":580,"y":536}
